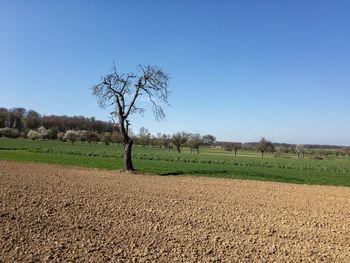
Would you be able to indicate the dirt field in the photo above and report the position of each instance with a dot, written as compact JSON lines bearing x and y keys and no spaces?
{"x":61,"y":214}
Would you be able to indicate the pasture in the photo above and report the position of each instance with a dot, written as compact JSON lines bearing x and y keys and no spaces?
{"x":209,"y":162}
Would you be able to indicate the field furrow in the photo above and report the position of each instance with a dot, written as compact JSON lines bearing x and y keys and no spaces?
{"x":67,"y":214}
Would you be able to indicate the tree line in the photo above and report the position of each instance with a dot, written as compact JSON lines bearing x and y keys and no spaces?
{"x":22,"y":120}
{"x":178,"y":140}
{"x":287,"y":150}
{"x":19,"y":122}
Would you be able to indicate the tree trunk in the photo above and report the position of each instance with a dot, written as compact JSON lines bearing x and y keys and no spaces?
{"x":197,"y":150}
{"x":127,"y":164}
{"x":178,"y":149}
{"x":262,"y":154}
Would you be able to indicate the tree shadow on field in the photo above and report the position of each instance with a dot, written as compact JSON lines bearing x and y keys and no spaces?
{"x":171,"y":173}
{"x":252,"y":175}
{"x":194,"y":172}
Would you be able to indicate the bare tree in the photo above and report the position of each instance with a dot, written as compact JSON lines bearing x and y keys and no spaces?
{"x":195,"y":141}
{"x":265,"y":146}
{"x":122,"y":91}
{"x":166,"y":141}
{"x":299,"y":149}
{"x":179,"y":139}
{"x":144,"y":137}
{"x":235,"y":146}
{"x":346,"y":150}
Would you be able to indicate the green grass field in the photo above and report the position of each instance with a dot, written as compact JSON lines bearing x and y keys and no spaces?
{"x":209,"y":162}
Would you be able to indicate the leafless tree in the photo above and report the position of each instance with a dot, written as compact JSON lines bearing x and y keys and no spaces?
{"x":265,"y":146}
{"x":123,"y":92}
{"x":237,"y":146}
{"x":299,"y":149}
{"x":346,"y":150}
{"x":195,"y":141}
{"x":144,"y":137}
{"x":179,"y":139}
{"x":233,"y":146}
{"x":166,"y":141}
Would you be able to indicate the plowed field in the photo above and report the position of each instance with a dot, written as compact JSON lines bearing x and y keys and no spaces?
{"x":62,"y":214}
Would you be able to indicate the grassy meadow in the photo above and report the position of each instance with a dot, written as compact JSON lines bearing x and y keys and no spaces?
{"x":209,"y":162}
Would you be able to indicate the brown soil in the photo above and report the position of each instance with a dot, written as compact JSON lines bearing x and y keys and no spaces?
{"x":62,"y":214}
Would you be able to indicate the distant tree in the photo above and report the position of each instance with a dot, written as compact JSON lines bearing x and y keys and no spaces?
{"x":107,"y":138}
{"x":17,"y":116}
{"x":43,"y":133}
{"x":233,"y":146}
{"x":237,"y":146}
{"x":292,"y":150}
{"x":307,"y":151}
{"x":33,"y":120}
{"x":284,"y":149}
{"x":10,"y":119}
{"x":299,"y":149}
{"x":265,"y":146}
{"x":166,"y":141}
{"x":3,"y":117}
{"x":92,"y":137}
{"x":208,"y":140}
{"x":83,"y":134}
{"x":249,"y":146}
{"x":346,"y":151}
{"x":157,"y":140}
{"x":71,"y":136}
{"x":124,"y":90}
{"x":52,"y":133}
{"x":32,"y":134}
{"x":9,"y":132}
{"x":278,"y":151}
{"x":195,"y":141}
{"x":40,"y":133}
{"x":60,"y":136}
{"x":179,"y":139}
{"x":144,"y":137}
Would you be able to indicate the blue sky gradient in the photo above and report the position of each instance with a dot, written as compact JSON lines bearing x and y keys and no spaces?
{"x":240,"y":69}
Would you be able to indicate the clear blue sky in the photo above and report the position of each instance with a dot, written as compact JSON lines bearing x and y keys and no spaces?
{"x":241,"y":69}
